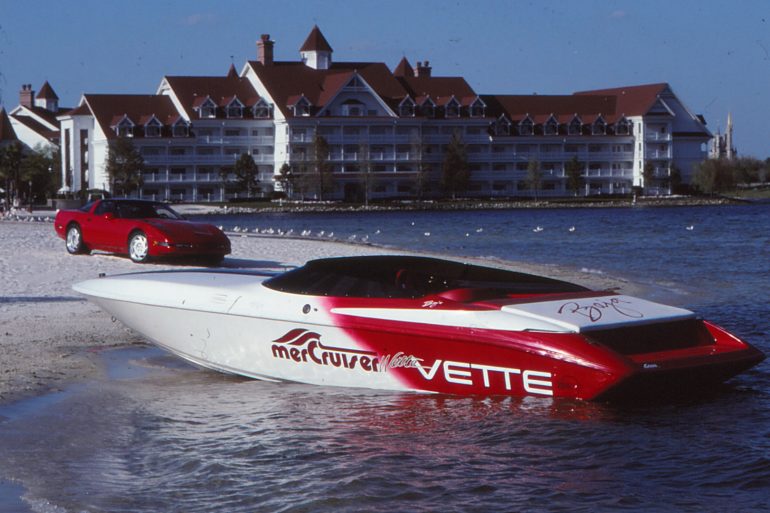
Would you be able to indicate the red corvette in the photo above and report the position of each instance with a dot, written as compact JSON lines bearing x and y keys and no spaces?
{"x":142,"y":229}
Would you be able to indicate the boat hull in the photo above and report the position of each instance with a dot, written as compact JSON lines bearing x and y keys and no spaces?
{"x":234,"y":324}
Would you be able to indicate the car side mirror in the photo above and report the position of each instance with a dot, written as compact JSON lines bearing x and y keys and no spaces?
{"x":109,"y":216}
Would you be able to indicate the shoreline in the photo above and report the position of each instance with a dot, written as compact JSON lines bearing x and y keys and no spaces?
{"x":45,"y":213}
{"x":51,"y":336}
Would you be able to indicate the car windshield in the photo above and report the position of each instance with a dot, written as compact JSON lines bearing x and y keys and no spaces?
{"x":146,"y":210}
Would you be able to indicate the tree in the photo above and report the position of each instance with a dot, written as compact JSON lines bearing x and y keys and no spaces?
{"x":246,"y":174}
{"x":574,"y":171}
{"x":366,"y":177}
{"x":675,"y":181}
{"x":40,"y":169}
{"x":713,"y":175}
{"x":648,"y":174}
{"x":322,"y":170}
{"x":422,"y":174}
{"x":10,"y":170}
{"x":455,"y":170}
{"x":125,"y":166}
{"x":287,"y":179}
{"x":534,"y":176}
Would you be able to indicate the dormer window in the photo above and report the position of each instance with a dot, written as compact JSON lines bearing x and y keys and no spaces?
{"x":526,"y":127}
{"x":406,"y":108}
{"x":501,"y":126}
{"x":452,"y":109}
{"x":551,"y":127}
{"x":575,"y":126}
{"x":262,"y":109}
{"x":623,"y":127}
{"x":302,"y":107}
{"x":152,"y":128}
{"x":180,"y":129}
{"x":599,"y":127}
{"x":428,"y":109}
{"x":477,"y":108}
{"x":235,"y":109}
{"x":125,"y":127}
{"x":208,"y":109}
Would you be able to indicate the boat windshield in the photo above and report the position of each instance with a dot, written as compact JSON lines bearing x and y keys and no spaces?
{"x":406,"y":277}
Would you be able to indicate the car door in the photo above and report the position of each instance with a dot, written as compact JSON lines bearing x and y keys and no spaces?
{"x":100,"y":229}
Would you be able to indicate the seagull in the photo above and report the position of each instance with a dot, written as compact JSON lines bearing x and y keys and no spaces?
{"x":427,"y":234}
{"x":479,"y":230}
{"x":690,"y":228}
{"x":572,"y":228}
{"x":538,"y":229}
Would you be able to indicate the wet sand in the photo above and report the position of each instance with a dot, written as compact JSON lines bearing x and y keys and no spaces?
{"x":50,"y":336}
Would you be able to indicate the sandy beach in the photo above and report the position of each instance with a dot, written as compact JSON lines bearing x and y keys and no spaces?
{"x":50,"y":336}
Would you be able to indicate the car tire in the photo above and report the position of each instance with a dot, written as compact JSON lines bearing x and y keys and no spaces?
{"x":74,"y":240}
{"x":138,"y":247}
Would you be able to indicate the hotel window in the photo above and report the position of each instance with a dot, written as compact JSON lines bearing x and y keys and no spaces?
{"x":152,"y":128}
{"x":125,"y":128}
{"x":428,"y":109}
{"x":208,"y":109}
{"x":353,"y":108}
{"x":551,"y":127}
{"x":575,"y":127}
{"x":622,"y":127}
{"x":526,"y":127}
{"x":235,"y":109}
{"x":452,"y":109}
{"x":599,"y":127}
{"x":406,"y":109}
{"x":180,"y":129}
{"x":302,"y":107}
{"x":261,"y":110}
{"x":477,"y":109}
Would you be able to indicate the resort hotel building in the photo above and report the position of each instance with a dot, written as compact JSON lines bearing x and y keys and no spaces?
{"x":386,"y":132}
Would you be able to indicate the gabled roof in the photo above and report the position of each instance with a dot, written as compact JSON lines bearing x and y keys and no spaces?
{"x":316,"y":42}
{"x":403,"y":68}
{"x":290,"y":80}
{"x":46,"y":92}
{"x":37,"y":127}
{"x":193,"y":91}
{"x":7,"y":133}
{"x":107,"y":109}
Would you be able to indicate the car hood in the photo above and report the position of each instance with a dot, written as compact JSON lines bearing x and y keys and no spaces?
{"x":185,"y":229}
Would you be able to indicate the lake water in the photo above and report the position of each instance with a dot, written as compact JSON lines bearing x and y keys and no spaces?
{"x":158,"y":435}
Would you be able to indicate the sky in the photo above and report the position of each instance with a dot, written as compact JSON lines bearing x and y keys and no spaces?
{"x":714,"y":55}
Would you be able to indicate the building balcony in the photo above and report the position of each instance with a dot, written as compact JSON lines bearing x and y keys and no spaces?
{"x":657,"y":136}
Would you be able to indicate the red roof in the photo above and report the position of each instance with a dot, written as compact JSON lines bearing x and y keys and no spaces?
{"x":46,"y":92}
{"x":631,"y":100}
{"x":287,"y":81}
{"x":563,"y":107}
{"x":193,"y":91}
{"x":315,"y":42}
{"x":403,"y":68}
{"x":6,"y":130}
{"x":109,"y":109}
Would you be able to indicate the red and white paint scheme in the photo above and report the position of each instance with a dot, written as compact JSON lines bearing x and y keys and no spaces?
{"x":423,"y":324}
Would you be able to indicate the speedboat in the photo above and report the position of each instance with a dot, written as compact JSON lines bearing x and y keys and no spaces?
{"x":424,"y":324}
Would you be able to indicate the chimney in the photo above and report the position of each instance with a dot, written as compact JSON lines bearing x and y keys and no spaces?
{"x":265,"y":50}
{"x":422,"y":69}
{"x":26,"y":96}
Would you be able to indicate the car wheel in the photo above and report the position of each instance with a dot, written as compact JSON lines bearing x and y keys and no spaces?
{"x":74,"y":240}
{"x":138,"y":247}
